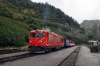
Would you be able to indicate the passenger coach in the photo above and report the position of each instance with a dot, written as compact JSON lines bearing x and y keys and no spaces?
{"x":69,"y":43}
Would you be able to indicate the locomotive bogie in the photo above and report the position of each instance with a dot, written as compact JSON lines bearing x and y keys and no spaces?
{"x":33,"y":49}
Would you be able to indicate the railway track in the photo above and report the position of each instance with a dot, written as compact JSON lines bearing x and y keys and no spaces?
{"x":71,"y":59}
{"x":11,"y":51}
{"x":11,"y":58}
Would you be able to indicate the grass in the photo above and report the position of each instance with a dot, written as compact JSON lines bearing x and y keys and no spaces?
{"x":25,"y":47}
{"x":99,"y":48}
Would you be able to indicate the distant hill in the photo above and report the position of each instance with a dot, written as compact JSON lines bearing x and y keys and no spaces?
{"x":92,"y":27}
{"x":18,"y":17}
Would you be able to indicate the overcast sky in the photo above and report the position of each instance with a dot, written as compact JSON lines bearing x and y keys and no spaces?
{"x":78,"y":9}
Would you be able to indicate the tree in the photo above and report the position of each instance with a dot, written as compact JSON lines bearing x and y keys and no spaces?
{"x":90,"y":37}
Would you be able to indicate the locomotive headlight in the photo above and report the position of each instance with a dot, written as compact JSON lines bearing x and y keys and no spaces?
{"x":41,"y":41}
{"x":30,"y":41}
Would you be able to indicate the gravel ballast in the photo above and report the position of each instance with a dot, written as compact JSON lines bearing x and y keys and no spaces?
{"x":49,"y":59}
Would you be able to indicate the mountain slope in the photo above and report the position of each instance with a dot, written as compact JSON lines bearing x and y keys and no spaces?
{"x":92,"y":27}
{"x":18,"y":17}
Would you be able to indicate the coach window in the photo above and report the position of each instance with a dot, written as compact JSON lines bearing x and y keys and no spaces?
{"x":58,"y":39}
{"x":62,"y":40}
{"x":32,"y":35}
{"x":39,"y":35}
{"x":51,"y":38}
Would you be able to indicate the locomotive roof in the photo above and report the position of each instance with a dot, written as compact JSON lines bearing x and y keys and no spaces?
{"x":92,"y":41}
{"x":39,"y":30}
{"x":46,"y":31}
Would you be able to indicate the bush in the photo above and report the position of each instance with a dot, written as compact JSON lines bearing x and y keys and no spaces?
{"x":99,"y":47}
{"x":13,"y":33}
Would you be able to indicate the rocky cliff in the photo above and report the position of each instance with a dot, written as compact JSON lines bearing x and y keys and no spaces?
{"x":92,"y":27}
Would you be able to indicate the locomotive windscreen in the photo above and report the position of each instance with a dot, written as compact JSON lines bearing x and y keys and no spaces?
{"x":32,"y":35}
{"x":39,"y":35}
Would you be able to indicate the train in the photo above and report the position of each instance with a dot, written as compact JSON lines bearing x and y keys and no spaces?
{"x":69,"y":43}
{"x":44,"y":40}
{"x":93,"y":45}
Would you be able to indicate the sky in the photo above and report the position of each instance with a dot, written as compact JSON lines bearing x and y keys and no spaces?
{"x":78,"y":9}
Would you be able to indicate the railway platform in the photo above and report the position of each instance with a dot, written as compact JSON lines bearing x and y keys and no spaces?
{"x":87,"y":58}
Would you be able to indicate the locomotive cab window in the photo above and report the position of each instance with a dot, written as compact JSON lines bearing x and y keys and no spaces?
{"x":40,"y":35}
{"x":32,"y":35}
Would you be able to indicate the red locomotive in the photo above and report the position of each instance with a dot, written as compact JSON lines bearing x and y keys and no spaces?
{"x":43,"y":40}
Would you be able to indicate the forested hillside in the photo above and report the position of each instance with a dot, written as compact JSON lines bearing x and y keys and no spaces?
{"x":18,"y":17}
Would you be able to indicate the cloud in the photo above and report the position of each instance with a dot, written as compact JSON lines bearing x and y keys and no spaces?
{"x":78,"y":9}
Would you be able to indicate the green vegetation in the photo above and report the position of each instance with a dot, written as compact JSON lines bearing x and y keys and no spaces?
{"x":25,"y":47}
{"x":77,"y":40}
{"x":13,"y":33}
{"x":99,"y":48}
{"x":92,"y":27}
{"x":18,"y":17}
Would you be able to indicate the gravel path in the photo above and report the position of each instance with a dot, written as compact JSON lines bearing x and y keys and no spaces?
{"x":86,"y":58}
{"x":49,"y":59}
